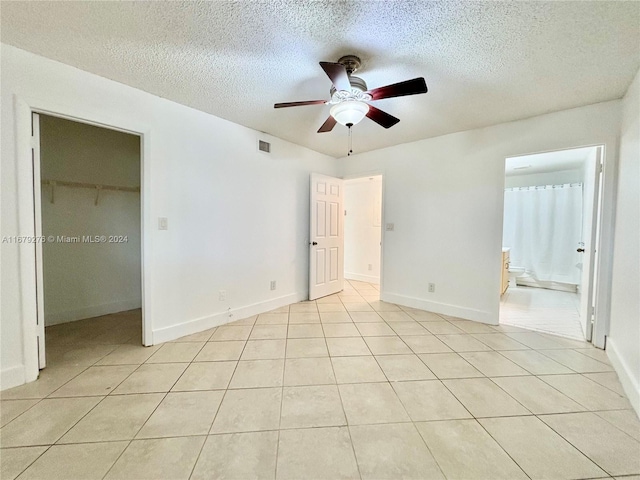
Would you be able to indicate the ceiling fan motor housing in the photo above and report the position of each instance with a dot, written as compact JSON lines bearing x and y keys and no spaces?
{"x":351,"y":63}
{"x":357,"y":84}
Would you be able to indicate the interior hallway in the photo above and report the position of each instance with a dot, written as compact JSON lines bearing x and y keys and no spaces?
{"x":543,"y":310}
{"x":343,"y":387}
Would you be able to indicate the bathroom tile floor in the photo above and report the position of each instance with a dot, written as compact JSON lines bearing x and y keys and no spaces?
{"x":343,"y":387}
{"x":542,"y":310}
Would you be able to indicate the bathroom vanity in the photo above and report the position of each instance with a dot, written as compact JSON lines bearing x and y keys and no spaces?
{"x":505,"y":270}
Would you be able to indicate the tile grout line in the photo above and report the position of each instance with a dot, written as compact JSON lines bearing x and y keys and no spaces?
{"x":235,"y":368}
{"x":129,"y":442}
{"x":40,"y":400}
{"x":166,"y":394}
{"x":574,"y":446}
{"x":501,"y":447}
{"x":587,"y":409}
{"x":284,"y":367}
{"x":93,"y":408}
{"x":195,"y":463}
{"x":344,"y":412}
{"x":413,"y":353}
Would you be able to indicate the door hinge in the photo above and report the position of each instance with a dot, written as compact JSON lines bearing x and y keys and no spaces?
{"x":600,"y":167}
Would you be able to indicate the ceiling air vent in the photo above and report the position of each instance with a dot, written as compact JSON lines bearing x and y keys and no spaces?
{"x":264,"y":146}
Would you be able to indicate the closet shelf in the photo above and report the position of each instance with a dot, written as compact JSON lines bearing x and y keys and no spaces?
{"x":62,"y":183}
{"x":93,"y":186}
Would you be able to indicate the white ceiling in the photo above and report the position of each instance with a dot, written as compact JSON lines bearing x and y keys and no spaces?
{"x":484,"y":62}
{"x":548,"y":161}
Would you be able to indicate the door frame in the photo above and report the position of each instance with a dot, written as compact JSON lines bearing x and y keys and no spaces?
{"x":376,"y":173}
{"x":28,"y":211}
{"x":603,"y":235}
{"x":592,"y":242}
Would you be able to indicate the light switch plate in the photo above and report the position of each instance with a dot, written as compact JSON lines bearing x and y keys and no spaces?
{"x":390,"y":227}
{"x":163,"y":223}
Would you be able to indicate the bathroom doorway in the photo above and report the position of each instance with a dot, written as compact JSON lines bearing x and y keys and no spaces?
{"x":363,"y":235}
{"x":550,"y":227}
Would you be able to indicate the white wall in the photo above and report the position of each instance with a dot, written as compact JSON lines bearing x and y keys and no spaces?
{"x":445,"y":197}
{"x":623,"y":343}
{"x":362,"y":228}
{"x":83,"y":280}
{"x":559,"y":177}
{"x":237,"y":217}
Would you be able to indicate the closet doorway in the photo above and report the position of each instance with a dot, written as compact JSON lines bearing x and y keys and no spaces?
{"x":550,"y":241}
{"x":88,"y":215}
{"x":363,"y":235}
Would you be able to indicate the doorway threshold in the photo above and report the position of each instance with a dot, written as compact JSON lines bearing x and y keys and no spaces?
{"x":547,"y":311}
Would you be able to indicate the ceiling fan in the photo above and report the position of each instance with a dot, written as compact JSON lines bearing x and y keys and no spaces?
{"x":349,"y":96}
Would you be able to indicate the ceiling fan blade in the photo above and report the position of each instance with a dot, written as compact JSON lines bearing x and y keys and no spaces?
{"x":299,"y":104}
{"x":408,"y":87}
{"x":381,"y":118}
{"x":338,"y":75}
{"x":328,"y":125}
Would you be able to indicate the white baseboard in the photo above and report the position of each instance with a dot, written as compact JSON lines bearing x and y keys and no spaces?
{"x":204,"y":323}
{"x":91,"y":311}
{"x":12,"y":377}
{"x":629,"y":383}
{"x":443,"y":308}
{"x":361,"y":278}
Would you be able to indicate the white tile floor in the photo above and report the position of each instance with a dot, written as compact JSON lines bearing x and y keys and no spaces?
{"x":542,"y":310}
{"x":344,"y":387}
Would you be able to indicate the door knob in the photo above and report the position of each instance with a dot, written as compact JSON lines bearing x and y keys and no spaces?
{"x":580,"y":250}
{"x":314,"y":243}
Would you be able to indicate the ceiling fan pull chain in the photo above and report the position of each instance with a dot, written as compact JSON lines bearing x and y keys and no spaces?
{"x":350,"y":142}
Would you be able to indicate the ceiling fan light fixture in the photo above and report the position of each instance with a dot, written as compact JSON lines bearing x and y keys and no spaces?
{"x":349,"y":112}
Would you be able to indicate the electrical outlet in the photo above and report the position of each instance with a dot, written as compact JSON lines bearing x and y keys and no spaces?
{"x":273,"y":285}
{"x":370,"y":267}
{"x":432,"y":288}
{"x":222,"y":295}
{"x":390,"y":227}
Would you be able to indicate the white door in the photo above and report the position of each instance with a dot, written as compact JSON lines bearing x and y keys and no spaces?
{"x":35,"y":164}
{"x":589,"y":238}
{"x":326,"y":236}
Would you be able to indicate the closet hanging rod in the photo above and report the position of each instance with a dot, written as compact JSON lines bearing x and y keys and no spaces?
{"x":95,"y":186}
{"x":542,"y":187}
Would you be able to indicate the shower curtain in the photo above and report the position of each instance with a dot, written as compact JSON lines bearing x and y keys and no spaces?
{"x":543,"y":228}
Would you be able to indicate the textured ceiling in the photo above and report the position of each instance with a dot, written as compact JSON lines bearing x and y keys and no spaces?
{"x":484,"y":62}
